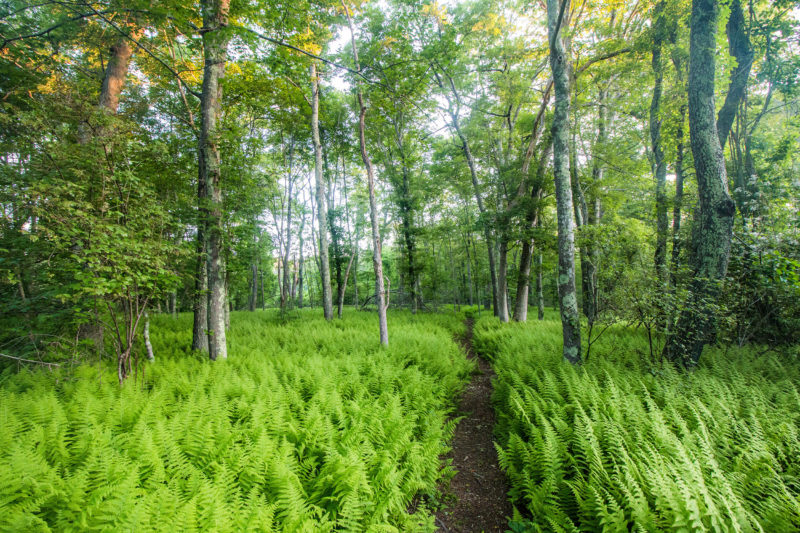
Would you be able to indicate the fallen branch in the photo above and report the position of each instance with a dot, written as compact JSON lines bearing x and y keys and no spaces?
{"x":29,"y":360}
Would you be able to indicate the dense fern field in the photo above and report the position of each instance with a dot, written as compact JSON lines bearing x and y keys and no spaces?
{"x":626,"y":444}
{"x":308,"y":426}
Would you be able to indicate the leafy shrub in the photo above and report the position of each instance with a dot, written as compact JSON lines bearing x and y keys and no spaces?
{"x":621,"y":444}
{"x":308,"y":426}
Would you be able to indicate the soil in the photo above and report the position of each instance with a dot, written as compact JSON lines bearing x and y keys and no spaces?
{"x":479,"y":488}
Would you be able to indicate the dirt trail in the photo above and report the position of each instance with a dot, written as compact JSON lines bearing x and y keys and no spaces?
{"x":480,"y":487}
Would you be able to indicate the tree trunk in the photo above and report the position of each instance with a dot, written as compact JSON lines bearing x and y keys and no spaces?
{"x":539,"y":286}
{"x":199,"y":337}
{"x":215,"y":51}
{"x":581,"y":209}
{"x":301,"y":265}
{"x":322,"y":215}
{"x":678,"y":202}
{"x":146,"y":335}
{"x":531,"y":222}
{"x":253,"y":300}
{"x":286,"y":285}
{"x":660,"y":170}
{"x":741,"y":49}
{"x":114,"y":78}
{"x":487,"y":231}
{"x":590,"y":259}
{"x":697,"y":322}
{"x":570,"y":321}
{"x":377,"y":261}
{"x":502,"y":277}
{"x":406,"y":213}
{"x":343,"y":287}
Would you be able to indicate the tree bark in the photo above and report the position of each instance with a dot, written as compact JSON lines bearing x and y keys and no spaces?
{"x":678,"y":202}
{"x":660,"y":166}
{"x":322,"y":215}
{"x":582,"y":219}
{"x":539,"y":287}
{"x":301,"y":263}
{"x":531,"y":222}
{"x":146,"y":335}
{"x":377,"y":260}
{"x":199,"y":337}
{"x":406,"y":213}
{"x":741,"y":49}
{"x":697,"y":322}
{"x":114,"y":78}
{"x":286,"y":285}
{"x":215,"y":51}
{"x":568,"y":301}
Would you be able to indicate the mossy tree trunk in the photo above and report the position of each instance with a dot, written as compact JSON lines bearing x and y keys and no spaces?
{"x":697,"y":322}
{"x":568,"y":301}
{"x":659,"y":162}
{"x":215,"y":52}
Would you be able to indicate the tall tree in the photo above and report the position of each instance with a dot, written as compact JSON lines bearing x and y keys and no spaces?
{"x":660,"y":165}
{"x":322,"y":215}
{"x":557,"y":17}
{"x":215,"y":53}
{"x":696,"y":325}
{"x":377,"y":259}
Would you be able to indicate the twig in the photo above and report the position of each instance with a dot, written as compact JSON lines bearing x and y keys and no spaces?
{"x":29,"y":360}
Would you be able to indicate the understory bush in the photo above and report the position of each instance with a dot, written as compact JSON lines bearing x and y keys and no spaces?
{"x":625,"y":444}
{"x":308,"y":426}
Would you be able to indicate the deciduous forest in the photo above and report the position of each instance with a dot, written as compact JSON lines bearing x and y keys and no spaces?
{"x":446,"y":265}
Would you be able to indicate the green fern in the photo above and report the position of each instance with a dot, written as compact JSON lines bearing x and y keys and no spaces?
{"x":612,"y":446}
{"x":308,"y":426}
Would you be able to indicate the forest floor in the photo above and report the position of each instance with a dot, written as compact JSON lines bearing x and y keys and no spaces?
{"x":479,"y":487}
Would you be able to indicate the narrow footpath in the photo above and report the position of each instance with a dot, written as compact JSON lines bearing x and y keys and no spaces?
{"x":480,"y":487}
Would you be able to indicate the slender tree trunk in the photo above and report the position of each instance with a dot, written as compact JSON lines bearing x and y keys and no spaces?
{"x":531,"y":222}
{"x":215,"y":51}
{"x":322,"y":215}
{"x":469,"y":277}
{"x":570,"y":321}
{"x":343,"y":287}
{"x":591,"y":258}
{"x":286,"y":291}
{"x":539,"y":286}
{"x":294,"y":279}
{"x":660,"y":169}
{"x":263,"y":294}
{"x":502,"y":277}
{"x":487,"y":231}
{"x":581,"y":209}
{"x":697,"y":321}
{"x":678,"y":202}
{"x":355,"y":279}
{"x":301,"y":265}
{"x":741,"y":49}
{"x":199,"y":337}
{"x":146,"y":335}
{"x":406,"y":212}
{"x":377,"y":261}
{"x":253,"y":300}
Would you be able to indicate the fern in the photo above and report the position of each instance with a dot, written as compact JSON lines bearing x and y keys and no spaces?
{"x":612,"y":446}
{"x":308,"y":426}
